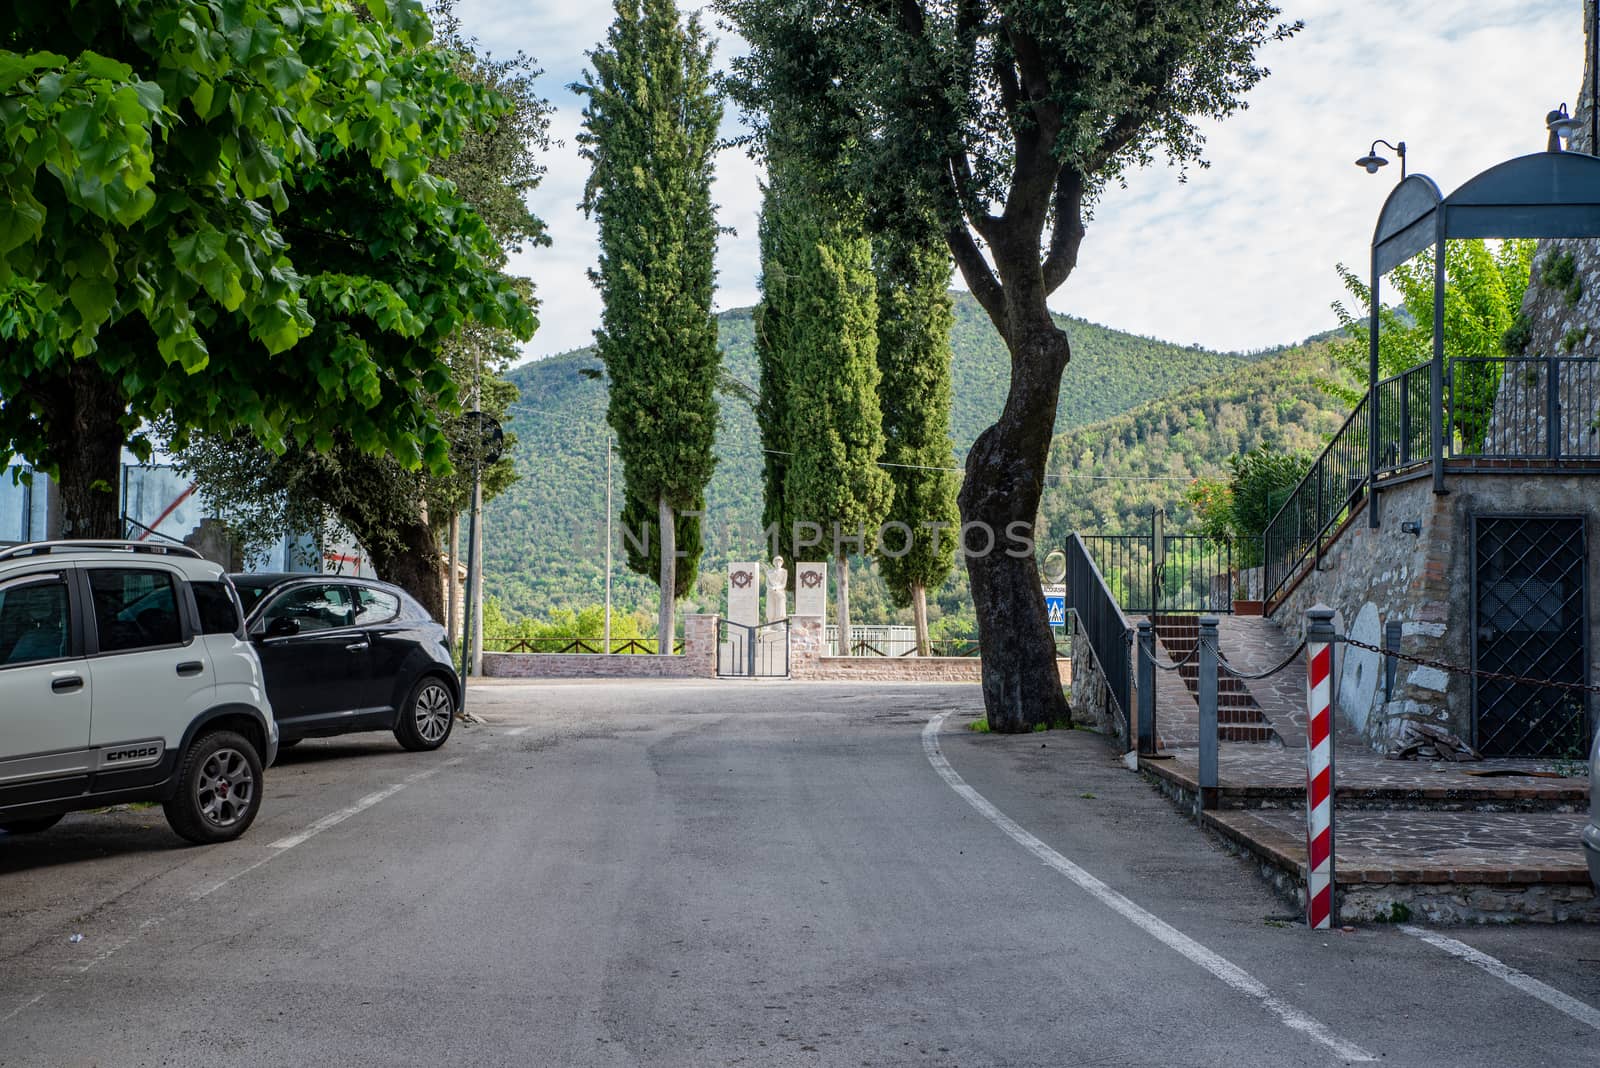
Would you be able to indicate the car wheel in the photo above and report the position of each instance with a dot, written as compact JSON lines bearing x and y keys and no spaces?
{"x":427,"y":717}
{"x":44,"y":823}
{"x":219,"y":789}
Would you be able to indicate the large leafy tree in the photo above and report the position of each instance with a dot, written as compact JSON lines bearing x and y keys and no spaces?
{"x":650,"y":134}
{"x":818,"y":340}
{"x":398,"y":512}
{"x":221,"y":214}
{"x":914,"y":321}
{"x":1007,"y":118}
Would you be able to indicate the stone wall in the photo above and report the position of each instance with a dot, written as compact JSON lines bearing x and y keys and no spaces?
{"x":1090,"y":696}
{"x":1370,"y":577}
{"x":697,"y":661}
{"x":807,"y":661}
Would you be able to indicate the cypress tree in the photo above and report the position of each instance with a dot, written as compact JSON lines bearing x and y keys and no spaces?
{"x":914,"y":321}
{"x":650,"y":134}
{"x":820,"y":371}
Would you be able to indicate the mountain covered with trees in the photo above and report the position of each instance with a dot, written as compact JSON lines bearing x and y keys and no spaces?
{"x":544,"y":547}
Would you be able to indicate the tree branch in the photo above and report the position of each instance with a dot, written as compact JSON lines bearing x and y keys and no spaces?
{"x":979,"y":278}
{"x":1066,"y":235}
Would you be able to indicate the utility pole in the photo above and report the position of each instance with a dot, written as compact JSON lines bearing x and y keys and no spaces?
{"x":608,"y":542}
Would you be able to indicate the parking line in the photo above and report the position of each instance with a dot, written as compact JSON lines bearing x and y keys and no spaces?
{"x":519,"y":730}
{"x":1581,"y":1011}
{"x":1159,"y":929}
{"x":333,"y":819}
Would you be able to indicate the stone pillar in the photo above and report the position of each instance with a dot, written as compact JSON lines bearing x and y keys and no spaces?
{"x":807,"y":639}
{"x":700,"y":643}
{"x":744,"y":593}
{"x":811,"y":590}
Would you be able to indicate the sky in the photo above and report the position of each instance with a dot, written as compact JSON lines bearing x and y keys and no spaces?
{"x":1239,"y":257}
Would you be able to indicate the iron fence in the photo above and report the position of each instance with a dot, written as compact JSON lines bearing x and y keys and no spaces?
{"x":619,"y":646}
{"x":1405,"y":407}
{"x":1524,"y":408}
{"x":1195,"y":575}
{"x":1102,"y":624}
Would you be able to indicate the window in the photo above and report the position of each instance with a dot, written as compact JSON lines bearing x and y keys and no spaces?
{"x":33,"y":620}
{"x":218,"y":612}
{"x":134,"y":609}
{"x":375,"y":606}
{"x":316,"y":607}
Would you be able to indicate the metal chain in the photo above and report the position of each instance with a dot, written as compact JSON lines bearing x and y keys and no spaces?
{"x":1176,"y":664}
{"x":1236,"y":673}
{"x":1453,"y":669}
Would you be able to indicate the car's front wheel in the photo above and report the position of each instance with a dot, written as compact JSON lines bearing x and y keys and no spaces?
{"x":426,"y":718}
{"x":219,"y":789}
{"x":44,"y":823}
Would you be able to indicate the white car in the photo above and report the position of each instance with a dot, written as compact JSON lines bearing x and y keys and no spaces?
{"x":125,"y":675}
{"x":1591,"y":830}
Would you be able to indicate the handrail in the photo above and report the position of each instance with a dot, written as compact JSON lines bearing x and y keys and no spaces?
{"x":1106,"y":629}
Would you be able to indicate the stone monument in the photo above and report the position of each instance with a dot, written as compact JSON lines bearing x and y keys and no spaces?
{"x":744,"y":593}
{"x":811,"y":590}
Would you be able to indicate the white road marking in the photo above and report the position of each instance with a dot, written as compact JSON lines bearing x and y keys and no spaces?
{"x":19,"y":1009}
{"x":333,"y":819}
{"x":1581,"y":1011}
{"x":519,"y":730}
{"x":1174,"y":939}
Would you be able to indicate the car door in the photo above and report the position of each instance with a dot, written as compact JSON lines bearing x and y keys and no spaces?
{"x":45,"y":689}
{"x":316,"y":675}
{"x":151,"y":677}
{"x":393,"y":644}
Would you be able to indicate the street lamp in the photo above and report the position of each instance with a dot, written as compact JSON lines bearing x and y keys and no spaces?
{"x":1561,"y":126}
{"x":1372,"y":161}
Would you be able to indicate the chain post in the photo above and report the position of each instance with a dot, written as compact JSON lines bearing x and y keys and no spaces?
{"x":1147,"y":689}
{"x":1319,"y":768}
{"x":1209,"y":791}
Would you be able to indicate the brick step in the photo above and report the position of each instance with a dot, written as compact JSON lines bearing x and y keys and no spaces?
{"x":1246,"y":716}
{"x":1236,"y":732}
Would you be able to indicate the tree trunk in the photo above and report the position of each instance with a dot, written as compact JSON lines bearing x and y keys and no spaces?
{"x":1005,"y":477}
{"x":841,"y":605}
{"x":87,"y":448}
{"x":666,"y":627}
{"x":413,"y":565}
{"x":919,"y":616}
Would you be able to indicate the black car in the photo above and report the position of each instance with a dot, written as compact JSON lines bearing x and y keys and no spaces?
{"x":347,"y":654}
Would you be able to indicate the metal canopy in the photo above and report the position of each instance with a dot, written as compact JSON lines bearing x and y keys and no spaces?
{"x":1544,"y":195}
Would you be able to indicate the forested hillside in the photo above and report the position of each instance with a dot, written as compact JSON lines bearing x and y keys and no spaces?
{"x":542,"y":549}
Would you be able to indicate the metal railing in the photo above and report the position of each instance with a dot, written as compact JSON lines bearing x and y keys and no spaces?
{"x":1321,"y":501}
{"x":1102,"y":624}
{"x":1405,"y":404}
{"x":1525,"y":408}
{"x":1196,"y":574}
{"x":619,"y":646}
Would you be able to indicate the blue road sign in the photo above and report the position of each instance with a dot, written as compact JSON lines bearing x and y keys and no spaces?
{"x":1055,"y":606}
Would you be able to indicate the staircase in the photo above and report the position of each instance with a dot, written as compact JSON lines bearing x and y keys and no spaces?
{"x":1239,"y":716}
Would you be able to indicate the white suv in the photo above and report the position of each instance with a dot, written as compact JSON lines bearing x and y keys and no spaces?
{"x":125,"y":675}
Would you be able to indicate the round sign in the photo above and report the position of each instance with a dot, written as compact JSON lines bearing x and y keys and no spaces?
{"x":485,"y":430}
{"x":1055,"y":566}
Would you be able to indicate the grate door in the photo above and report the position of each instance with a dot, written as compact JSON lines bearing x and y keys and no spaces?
{"x":1529,"y":619}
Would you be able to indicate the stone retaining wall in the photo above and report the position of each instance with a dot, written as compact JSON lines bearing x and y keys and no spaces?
{"x":1370,"y":577}
{"x":697,"y":661}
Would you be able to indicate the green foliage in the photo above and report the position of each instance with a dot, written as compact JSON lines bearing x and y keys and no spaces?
{"x":914,"y":320}
{"x":263,"y":496}
{"x":979,"y":725}
{"x":825,"y":357}
{"x":1150,"y":456}
{"x":560,"y":627}
{"x":650,"y":134}
{"x":1239,"y":507}
{"x":236,"y":199}
{"x":1482,"y":318}
{"x":1559,"y":271}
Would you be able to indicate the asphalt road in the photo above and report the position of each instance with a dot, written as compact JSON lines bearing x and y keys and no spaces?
{"x":728,"y":874}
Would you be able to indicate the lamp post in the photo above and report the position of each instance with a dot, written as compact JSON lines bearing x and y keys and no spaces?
{"x":1561,"y":126}
{"x":1372,"y":161}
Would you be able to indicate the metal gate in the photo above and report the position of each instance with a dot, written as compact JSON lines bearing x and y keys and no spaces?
{"x":1529,"y":616}
{"x":752,"y":652}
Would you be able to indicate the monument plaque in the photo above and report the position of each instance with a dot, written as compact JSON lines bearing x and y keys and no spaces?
{"x":811,"y":590}
{"x":744,"y":593}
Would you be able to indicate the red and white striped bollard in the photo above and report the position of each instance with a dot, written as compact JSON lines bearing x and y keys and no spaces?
{"x":1319,"y":768}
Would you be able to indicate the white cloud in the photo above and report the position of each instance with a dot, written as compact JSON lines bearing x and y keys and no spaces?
{"x":1240,"y":256}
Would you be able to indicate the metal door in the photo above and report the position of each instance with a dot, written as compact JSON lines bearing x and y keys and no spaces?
{"x":1529,"y":617}
{"x":752,"y":652}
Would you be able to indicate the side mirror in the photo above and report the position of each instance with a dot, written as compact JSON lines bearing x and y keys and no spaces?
{"x":283,"y":627}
